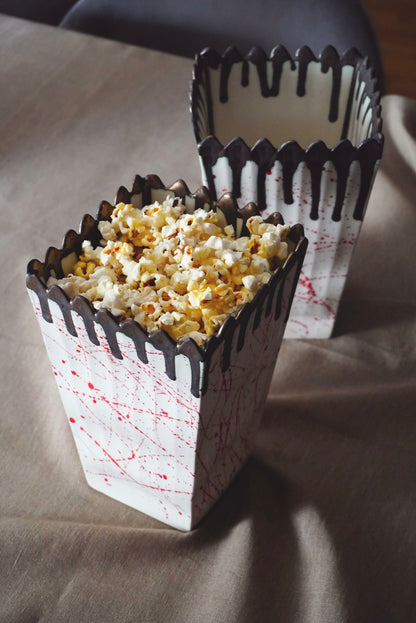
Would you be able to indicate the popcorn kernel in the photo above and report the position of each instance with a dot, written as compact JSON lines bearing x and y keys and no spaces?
{"x":169,"y":269}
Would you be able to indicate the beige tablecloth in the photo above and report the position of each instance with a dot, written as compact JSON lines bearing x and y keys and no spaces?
{"x":320,"y":526}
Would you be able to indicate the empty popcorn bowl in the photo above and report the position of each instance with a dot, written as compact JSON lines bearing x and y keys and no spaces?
{"x":162,"y":425}
{"x":301,"y":136}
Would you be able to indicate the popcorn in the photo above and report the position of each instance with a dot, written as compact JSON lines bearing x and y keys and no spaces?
{"x":167,"y":269}
{"x":250,"y":283}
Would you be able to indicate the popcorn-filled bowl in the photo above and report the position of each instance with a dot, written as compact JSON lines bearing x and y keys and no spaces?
{"x":162,"y":425}
{"x":301,"y":136}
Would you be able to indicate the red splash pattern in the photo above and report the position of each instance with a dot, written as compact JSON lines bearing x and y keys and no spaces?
{"x":331,"y":243}
{"x":144,"y":439}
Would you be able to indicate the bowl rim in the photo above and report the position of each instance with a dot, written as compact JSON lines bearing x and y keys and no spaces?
{"x":329,"y":58}
{"x":38,"y":273}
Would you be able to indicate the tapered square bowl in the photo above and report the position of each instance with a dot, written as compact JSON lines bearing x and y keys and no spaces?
{"x":160,"y":425}
{"x":301,"y":136}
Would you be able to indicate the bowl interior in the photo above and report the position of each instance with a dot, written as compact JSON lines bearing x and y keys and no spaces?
{"x":303,"y":100}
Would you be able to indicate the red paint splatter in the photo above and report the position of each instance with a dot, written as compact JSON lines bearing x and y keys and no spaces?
{"x":311,"y":294}
{"x":72,"y":420}
{"x":90,"y":385}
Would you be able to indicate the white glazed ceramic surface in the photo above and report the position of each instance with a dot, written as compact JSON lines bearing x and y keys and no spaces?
{"x":146,"y":440}
{"x":331,"y":242}
{"x":160,"y":426}
{"x":298,"y":136}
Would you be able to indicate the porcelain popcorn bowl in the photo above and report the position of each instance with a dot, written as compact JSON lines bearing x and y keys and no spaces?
{"x":159,"y":425}
{"x":301,"y":136}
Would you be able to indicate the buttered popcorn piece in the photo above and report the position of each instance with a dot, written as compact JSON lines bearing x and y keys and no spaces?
{"x":168,"y":269}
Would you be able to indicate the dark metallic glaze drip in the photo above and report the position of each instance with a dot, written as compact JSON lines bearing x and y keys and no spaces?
{"x":110,"y":326}
{"x":264,"y":154}
{"x":304,"y":57}
{"x":189,"y":349}
{"x":163,"y":342}
{"x":342,"y":159}
{"x":38,"y":274}
{"x":210,"y":151}
{"x":370,"y":154}
{"x":279,"y":56}
{"x":228,"y":210}
{"x":258,"y":57}
{"x":315,"y":165}
{"x":290,"y":155}
{"x":275,"y":219}
{"x":123,"y":195}
{"x":331,"y":60}
{"x":58,"y":296}
{"x":205,"y":81}
{"x":237,"y":154}
{"x":361,"y":102}
{"x":244,"y":75}
{"x":247,"y":212}
{"x":231,"y":57}
{"x":83,"y":308}
{"x":34,"y":282}
{"x":139,"y":336}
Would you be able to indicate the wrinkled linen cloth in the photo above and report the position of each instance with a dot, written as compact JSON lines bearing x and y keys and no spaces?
{"x":320,"y":525}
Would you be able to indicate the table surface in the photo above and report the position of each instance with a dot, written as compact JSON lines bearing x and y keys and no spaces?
{"x":319,"y":526}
